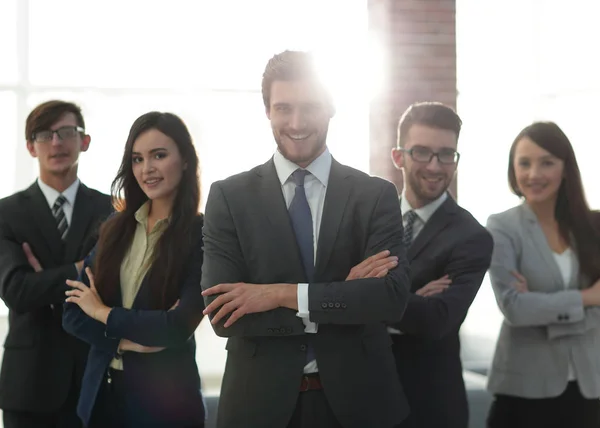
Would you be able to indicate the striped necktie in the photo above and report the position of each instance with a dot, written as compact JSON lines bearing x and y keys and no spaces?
{"x":411,"y":217}
{"x":59,"y":216}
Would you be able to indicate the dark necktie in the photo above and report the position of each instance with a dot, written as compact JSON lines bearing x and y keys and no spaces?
{"x":59,"y":216}
{"x":302,"y":223}
{"x":411,"y":217}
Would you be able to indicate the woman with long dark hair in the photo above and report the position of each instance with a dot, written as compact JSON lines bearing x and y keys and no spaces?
{"x":138,"y":300}
{"x":545,"y":273}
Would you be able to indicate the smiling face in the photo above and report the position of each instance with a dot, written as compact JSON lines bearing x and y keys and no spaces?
{"x":426,"y":181}
{"x":299,"y":113}
{"x":538,"y":172}
{"x":157,"y":165}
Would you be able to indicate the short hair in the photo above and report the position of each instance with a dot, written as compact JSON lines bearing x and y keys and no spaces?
{"x":46,"y":114}
{"x":432,"y":114}
{"x":291,"y":65}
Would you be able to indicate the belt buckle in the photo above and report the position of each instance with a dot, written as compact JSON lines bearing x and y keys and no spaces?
{"x":304,"y":379}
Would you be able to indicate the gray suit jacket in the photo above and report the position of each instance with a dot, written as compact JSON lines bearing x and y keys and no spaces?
{"x":546,"y":327}
{"x":248,"y":237}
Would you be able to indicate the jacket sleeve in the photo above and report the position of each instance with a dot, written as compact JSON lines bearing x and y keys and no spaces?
{"x":224,"y":263}
{"x":434,"y":317}
{"x":371,"y":300}
{"x":79,"y":324}
{"x":165,"y":328}
{"x":23,"y":289}
{"x":531,"y":308}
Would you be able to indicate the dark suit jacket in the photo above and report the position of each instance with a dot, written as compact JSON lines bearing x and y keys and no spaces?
{"x":167,"y":383}
{"x":248,"y":237}
{"x":40,"y":359}
{"x":452,"y":242}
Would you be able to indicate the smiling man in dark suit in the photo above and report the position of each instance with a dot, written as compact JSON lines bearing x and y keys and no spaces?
{"x":306,"y":347}
{"x":449,"y":253}
{"x":45,"y":232}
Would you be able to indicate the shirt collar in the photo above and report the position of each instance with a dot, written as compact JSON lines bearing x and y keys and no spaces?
{"x":51,"y":194}
{"x":141,"y":216}
{"x":320,"y":167}
{"x":426,"y":211}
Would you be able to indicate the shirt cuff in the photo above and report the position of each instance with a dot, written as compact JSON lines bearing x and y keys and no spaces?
{"x":303,"y":301}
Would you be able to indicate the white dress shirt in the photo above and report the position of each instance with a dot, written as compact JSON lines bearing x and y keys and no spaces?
{"x":315,"y":186}
{"x":423,"y":215}
{"x":565,"y":264}
{"x":52,"y":194}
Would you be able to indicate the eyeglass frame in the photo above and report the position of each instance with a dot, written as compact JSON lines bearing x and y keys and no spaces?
{"x":56,"y":131}
{"x":433,"y":154}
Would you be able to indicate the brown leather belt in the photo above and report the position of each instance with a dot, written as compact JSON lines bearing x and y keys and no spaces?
{"x":310,"y":382}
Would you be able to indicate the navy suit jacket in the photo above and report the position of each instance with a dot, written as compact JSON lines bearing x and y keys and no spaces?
{"x":166,"y":384}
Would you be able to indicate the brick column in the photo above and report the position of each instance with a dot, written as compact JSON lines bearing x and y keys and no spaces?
{"x":419,"y":39}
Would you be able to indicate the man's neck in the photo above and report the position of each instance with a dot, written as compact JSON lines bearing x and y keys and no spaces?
{"x":59,"y":182}
{"x":414,"y":202}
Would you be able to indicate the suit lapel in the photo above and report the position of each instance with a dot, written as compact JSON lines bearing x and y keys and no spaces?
{"x":42,"y":218}
{"x":270,"y":198}
{"x":338,"y":190}
{"x":541,"y":243}
{"x":440,"y":219}
{"x":83,"y":212}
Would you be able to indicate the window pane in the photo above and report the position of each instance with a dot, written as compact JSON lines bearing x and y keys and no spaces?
{"x":188,"y":45}
{"x":8,"y":113}
{"x":8,"y":41}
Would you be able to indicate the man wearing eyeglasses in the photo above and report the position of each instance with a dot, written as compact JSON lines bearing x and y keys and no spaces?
{"x":449,"y":253}
{"x":45,"y":232}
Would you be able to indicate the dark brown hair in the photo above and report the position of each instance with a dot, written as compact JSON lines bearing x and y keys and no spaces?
{"x":46,"y":114}
{"x":432,"y":114}
{"x":291,"y":65}
{"x":576,"y":221}
{"x":174,"y":246}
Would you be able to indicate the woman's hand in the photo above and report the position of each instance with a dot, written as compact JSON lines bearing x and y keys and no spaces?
{"x":521,"y":283}
{"x":127,"y":345}
{"x":87,"y":298}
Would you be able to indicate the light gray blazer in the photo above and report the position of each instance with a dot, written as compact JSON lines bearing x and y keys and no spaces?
{"x":544,"y":327}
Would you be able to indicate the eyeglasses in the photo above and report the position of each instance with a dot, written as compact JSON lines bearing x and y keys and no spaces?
{"x":64,"y":133}
{"x":425,"y":155}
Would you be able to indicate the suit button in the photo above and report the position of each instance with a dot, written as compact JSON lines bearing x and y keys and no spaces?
{"x":324,"y":305}
{"x":337,"y":305}
{"x":303,"y":347}
{"x":343,"y":306}
{"x":330,"y":304}
{"x":567,"y":317}
{"x":560,"y":317}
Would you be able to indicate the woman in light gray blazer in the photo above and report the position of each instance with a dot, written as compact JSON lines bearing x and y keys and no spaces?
{"x":545,"y":273}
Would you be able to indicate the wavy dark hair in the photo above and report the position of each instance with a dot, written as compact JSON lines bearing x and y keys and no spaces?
{"x":174,"y":246}
{"x":576,"y":221}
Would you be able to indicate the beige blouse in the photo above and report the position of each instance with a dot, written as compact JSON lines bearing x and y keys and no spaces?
{"x":138,"y":260}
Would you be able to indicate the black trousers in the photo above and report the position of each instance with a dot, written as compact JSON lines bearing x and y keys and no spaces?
{"x":66,"y":417}
{"x":313,"y":411}
{"x":111,"y":411}
{"x":568,"y":410}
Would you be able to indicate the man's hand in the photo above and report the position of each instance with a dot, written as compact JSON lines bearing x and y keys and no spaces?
{"x":376,"y":266}
{"x":241,"y":298}
{"x":128,"y":345}
{"x":434,"y":287}
{"x":521,"y":283}
{"x":33,"y":261}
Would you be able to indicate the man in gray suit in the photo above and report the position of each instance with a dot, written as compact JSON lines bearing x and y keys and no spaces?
{"x":306,"y":348}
